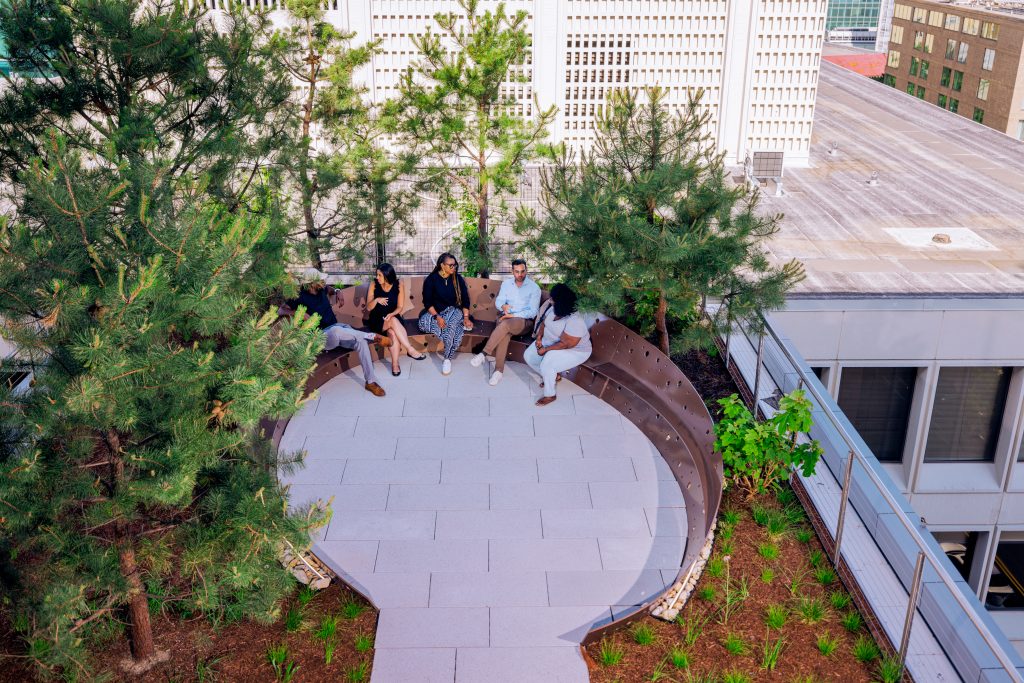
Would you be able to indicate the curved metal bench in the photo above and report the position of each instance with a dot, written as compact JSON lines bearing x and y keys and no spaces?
{"x":625,"y":371}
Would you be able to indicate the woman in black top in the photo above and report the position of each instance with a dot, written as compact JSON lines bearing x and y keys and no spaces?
{"x":385,"y":304}
{"x":446,"y":307}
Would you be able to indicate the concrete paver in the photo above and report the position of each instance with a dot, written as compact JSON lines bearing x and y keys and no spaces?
{"x":491,"y":534}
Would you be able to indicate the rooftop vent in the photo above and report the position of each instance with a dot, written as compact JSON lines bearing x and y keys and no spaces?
{"x":873,"y":180}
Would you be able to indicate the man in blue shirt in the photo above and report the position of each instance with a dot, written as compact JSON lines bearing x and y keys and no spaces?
{"x":517,"y":303}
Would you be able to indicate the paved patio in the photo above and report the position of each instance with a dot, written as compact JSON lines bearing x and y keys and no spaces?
{"x":491,"y":534}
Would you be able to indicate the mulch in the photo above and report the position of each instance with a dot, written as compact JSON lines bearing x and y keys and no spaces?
{"x":709,"y":660}
{"x":707,"y":373}
{"x":236,"y":652}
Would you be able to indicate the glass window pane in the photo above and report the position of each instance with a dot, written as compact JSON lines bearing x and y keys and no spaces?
{"x":1005,"y":588}
{"x":983,"y":89}
{"x":950,"y":48}
{"x":952,"y":22}
{"x":877,"y":403}
{"x":961,"y":56}
{"x":989,"y":59}
{"x":967,"y":412}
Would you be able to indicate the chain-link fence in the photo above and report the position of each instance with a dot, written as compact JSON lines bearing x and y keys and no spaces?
{"x":436,"y":230}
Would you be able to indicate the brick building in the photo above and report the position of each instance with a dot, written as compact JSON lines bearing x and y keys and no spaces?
{"x":962,"y":58}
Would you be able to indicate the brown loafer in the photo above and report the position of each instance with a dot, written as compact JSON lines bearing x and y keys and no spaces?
{"x":544,"y":400}
{"x":383,"y":341}
{"x":375,"y":389}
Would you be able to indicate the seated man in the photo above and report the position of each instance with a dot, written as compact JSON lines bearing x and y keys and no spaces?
{"x":518,"y":301}
{"x":314,"y":295}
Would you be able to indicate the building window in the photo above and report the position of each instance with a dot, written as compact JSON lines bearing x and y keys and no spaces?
{"x":924,"y":69}
{"x":894,"y":59}
{"x":902,"y":12}
{"x":920,"y":14}
{"x":941,"y":101}
{"x":920,"y":92}
{"x":967,"y":411}
{"x":889,"y":80}
{"x":1020,"y":136}
{"x":959,"y":547}
{"x":954,"y":105}
{"x":929,"y":43}
{"x":989,"y":59}
{"x":897,"y":35}
{"x":971,"y":26}
{"x":918,"y":40}
{"x":983,"y":89}
{"x":950,"y":49}
{"x":961,"y":55}
{"x":989,"y":30}
{"x":952,"y":22}
{"x":1005,"y":589}
{"x":958,"y":80}
{"x":979,"y":115}
{"x":915,"y":64}
{"x":877,"y":403}
{"x":944,"y":79}
{"x":935,"y":18}
{"x":910,"y":88}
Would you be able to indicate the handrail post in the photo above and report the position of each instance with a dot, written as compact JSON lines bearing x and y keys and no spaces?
{"x":757,"y":375}
{"x":728,"y":335}
{"x":847,"y":476}
{"x":915,"y":592}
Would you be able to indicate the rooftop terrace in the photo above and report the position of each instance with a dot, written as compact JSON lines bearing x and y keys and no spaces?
{"x":937,"y":173}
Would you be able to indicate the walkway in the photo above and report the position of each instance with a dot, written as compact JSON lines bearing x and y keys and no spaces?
{"x":491,"y":534}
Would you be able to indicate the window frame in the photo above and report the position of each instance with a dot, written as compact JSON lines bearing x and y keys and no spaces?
{"x":988,"y":59}
{"x":983,"y":87}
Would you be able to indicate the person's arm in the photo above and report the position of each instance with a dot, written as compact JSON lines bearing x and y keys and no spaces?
{"x":430,"y":300}
{"x":532,"y":303}
{"x":504,"y":302}
{"x":566,"y":341}
{"x":400,"y":306}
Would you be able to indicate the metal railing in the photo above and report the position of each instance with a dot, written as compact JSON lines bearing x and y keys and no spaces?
{"x":788,"y":361}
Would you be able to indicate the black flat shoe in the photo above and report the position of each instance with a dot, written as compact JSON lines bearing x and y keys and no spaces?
{"x":422,"y":356}
{"x":396,"y":373}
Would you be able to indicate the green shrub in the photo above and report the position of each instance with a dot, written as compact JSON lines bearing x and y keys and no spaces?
{"x":852,"y":621}
{"x":760,"y":514}
{"x":816,"y":558}
{"x":734,"y":644}
{"x":679,"y":657}
{"x":811,"y":610}
{"x":643,"y":634}
{"x":293,"y":620}
{"x":827,"y":643}
{"x":767,"y":575}
{"x":707,"y":593}
{"x":715,"y":567}
{"x":306,"y":595}
{"x":756,"y":456}
{"x":771,"y":652}
{"x":775,"y":616}
{"x":825,"y":576}
{"x":804,"y":535}
{"x":732,"y":517}
{"x":865,"y":650}
{"x":351,"y":609}
{"x":610,"y":653}
{"x":364,"y":643}
{"x":890,"y":670}
{"x":358,"y":673}
{"x":735,"y":676}
{"x":840,"y":600}
{"x":768,"y":551}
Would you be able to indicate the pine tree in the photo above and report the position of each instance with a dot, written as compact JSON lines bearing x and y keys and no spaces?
{"x":349,"y":184}
{"x":645,"y":224}
{"x":145,"y":240}
{"x":456,"y":109}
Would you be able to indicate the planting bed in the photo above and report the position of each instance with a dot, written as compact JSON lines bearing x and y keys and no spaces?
{"x":722,"y":637}
{"x":239,"y":652}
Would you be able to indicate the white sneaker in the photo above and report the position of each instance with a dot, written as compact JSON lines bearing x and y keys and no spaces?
{"x":446,"y":367}
{"x":477,"y":360}
{"x":495,"y":378}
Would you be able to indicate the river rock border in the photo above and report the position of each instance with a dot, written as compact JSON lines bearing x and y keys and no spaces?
{"x":672,"y":602}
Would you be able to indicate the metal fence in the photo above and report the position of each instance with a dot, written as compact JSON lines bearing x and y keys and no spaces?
{"x":974,"y":645}
{"x":435,"y":232}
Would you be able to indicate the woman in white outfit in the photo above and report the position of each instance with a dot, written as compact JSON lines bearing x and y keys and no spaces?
{"x":563,"y":341}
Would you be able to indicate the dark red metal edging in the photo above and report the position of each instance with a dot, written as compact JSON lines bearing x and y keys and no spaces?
{"x":624,"y":371}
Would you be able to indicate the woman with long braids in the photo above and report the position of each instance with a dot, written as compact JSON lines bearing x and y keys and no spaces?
{"x":446,"y":307}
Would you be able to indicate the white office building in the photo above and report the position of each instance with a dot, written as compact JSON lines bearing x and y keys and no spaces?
{"x":757,"y":60}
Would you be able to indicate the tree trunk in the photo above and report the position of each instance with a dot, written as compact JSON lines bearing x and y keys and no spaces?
{"x":661,"y":323}
{"x":380,"y":237}
{"x":141,"y":629}
{"x":482,"y":246}
{"x":309,"y":186}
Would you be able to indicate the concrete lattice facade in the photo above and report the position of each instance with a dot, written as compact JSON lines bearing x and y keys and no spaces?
{"x":757,"y":60}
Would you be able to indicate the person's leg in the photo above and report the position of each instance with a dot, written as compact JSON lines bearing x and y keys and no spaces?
{"x":532,"y":358}
{"x":402,"y":337}
{"x":452,"y":333}
{"x":497,"y":344}
{"x":395,"y":347}
{"x":555,"y":362}
{"x":348,"y":338}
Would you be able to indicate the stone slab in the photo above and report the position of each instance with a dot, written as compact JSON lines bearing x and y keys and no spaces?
{"x":488,"y":589}
{"x":520,"y":664}
{"x":433,"y":627}
{"x":447,"y":555}
{"x":423,"y":665}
